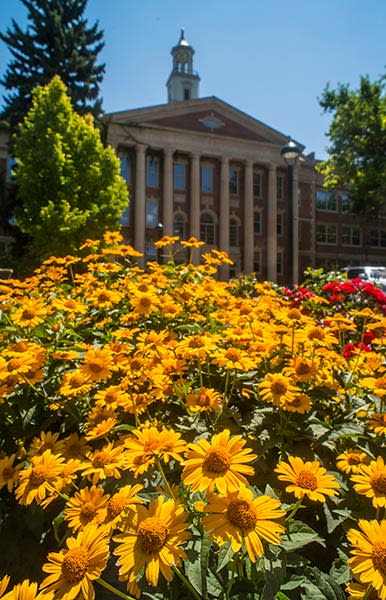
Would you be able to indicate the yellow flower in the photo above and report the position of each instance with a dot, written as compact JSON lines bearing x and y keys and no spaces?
{"x":72,"y":570}
{"x":152,"y":541}
{"x":97,"y":365}
{"x":300,"y":403}
{"x":75,"y":383}
{"x":307,"y":479}
{"x":219,"y":463}
{"x":368,"y":562}
{"x":204,"y":399}
{"x":46,"y":441}
{"x":166,"y":240}
{"x":351,"y":460}
{"x":378,"y":423}
{"x":278,"y":389}
{"x":371,"y":481}
{"x":26,"y":590}
{"x":9,"y":474}
{"x":243,"y":519}
{"x":31,"y":313}
{"x":103,"y":463}
{"x":86,"y":507}
{"x":4,"y":581}
{"x":120,"y":504}
{"x":233,"y":358}
{"x":145,"y":444}
{"x":359,"y":591}
{"x":192,"y":242}
{"x":40,"y":479}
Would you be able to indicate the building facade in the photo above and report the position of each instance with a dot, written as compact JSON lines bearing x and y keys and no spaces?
{"x":200,"y":167}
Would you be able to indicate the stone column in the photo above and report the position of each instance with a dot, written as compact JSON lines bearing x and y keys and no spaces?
{"x":272,"y":225}
{"x":140,"y":201}
{"x":195,"y":202}
{"x":167,"y":213}
{"x":224,"y":214}
{"x":248,"y":233}
{"x":295,"y":196}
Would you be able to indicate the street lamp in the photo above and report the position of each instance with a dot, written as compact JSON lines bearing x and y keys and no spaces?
{"x":290,"y":152}
{"x":160,"y":231}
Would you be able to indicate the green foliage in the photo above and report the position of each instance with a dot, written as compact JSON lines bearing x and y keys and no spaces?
{"x":69,"y":184}
{"x":357,"y":154}
{"x":56,"y":42}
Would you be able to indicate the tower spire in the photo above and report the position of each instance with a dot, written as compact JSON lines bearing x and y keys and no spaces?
{"x":183,"y":81}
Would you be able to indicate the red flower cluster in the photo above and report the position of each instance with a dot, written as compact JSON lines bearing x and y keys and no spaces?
{"x":338,"y":292}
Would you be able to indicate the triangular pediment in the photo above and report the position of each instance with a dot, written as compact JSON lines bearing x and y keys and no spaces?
{"x":209,"y":116}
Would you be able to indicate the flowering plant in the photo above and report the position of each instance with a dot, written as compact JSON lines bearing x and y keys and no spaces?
{"x":166,"y":436}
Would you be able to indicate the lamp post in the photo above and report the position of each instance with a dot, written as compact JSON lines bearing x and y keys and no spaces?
{"x":290,"y":152}
{"x":160,"y":231}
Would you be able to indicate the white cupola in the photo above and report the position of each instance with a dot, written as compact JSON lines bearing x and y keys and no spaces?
{"x":183,"y":81}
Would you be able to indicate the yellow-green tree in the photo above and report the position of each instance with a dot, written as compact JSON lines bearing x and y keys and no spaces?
{"x":69,"y":183}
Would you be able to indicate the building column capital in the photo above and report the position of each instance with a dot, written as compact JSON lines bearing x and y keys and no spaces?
{"x":140,"y":148}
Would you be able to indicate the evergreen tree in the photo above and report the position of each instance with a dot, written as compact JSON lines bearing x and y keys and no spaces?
{"x":68,"y":183}
{"x":57,"y":41}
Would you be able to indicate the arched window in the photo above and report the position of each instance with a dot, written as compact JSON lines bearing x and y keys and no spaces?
{"x":234,"y":232}
{"x":207,"y":229}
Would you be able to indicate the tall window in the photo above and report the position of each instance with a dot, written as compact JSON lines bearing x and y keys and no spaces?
{"x":378,"y":238}
{"x":186,"y":94}
{"x":257,"y":228}
{"x":125,"y":218}
{"x":257,"y":185}
{"x":206,"y":179}
{"x":280,"y":187}
{"x":326,"y":201}
{"x":207,"y":229}
{"x":351,"y":236}
{"x":279,"y":223}
{"x":179,"y":225}
{"x":233,"y":181}
{"x":279,"y":262}
{"x":125,"y":167}
{"x":344,"y":203}
{"x":234,"y":232}
{"x":257,"y":261}
{"x":152,"y":172}
{"x":326,"y":234}
{"x":151,"y":213}
{"x":179,"y":176}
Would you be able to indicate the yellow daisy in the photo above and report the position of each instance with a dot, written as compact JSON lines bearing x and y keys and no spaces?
{"x":368,"y":563}
{"x":307,"y":479}
{"x":243,"y":519}
{"x":73,"y":569}
{"x":103,"y":463}
{"x":378,"y":423}
{"x":278,"y":389}
{"x":26,"y":590}
{"x":371,"y":481}
{"x":39,"y":480}
{"x":219,"y":463}
{"x":152,"y":541}
{"x":9,"y":474}
{"x":351,"y":460}
{"x":86,"y":507}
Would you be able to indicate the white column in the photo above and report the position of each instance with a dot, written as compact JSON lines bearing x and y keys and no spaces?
{"x":140,"y":200}
{"x":167,"y":213}
{"x":224,"y":214}
{"x":272,"y":226}
{"x":248,"y":219}
{"x":195,"y":202}
{"x":295,"y":196}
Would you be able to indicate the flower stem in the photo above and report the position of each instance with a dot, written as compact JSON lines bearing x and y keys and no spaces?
{"x":113,"y":589}
{"x":187,"y":583}
{"x":167,"y":485}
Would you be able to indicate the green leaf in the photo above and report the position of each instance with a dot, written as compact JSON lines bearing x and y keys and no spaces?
{"x":225,"y":555}
{"x":299,"y":535}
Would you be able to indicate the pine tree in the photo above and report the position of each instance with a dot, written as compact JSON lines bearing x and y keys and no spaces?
{"x":57,"y":41}
{"x":69,"y":184}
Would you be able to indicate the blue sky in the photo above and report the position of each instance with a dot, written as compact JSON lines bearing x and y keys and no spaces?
{"x":269,"y":58}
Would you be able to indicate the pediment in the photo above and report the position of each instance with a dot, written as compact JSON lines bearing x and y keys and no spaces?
{"x":209,"y":116}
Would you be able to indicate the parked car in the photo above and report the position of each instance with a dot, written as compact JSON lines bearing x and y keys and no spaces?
{"x":374,"y":274}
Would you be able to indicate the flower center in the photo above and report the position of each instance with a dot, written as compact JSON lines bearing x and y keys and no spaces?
{"x":14,"y":364}
{"x":100,"y":459}
{"x":302,"y":368}
{"x":88,"y":512}
{"x":104,"y":297}
{"x":38,"y":475}
{"x":27,"y":314}
{"x":278,"y":387}
{"x":232,"y":354}
{"x":378,"y":482}
{"x":307,"y":480}
{"x":196,"y":343}
{"x":8,"y":473}
{"x":152,"y":534}
{"x":379,"y":556}
{"x":217,"y":461}
{"x":95,"y":367}
{"x":76,"y":381}
{"x":145,"y":302}
{"x":316,"y":333}
{"x":242,"y":514}
{"x":353,"y":459}
{"x":116,"y":506}
{"x":75,"y":564}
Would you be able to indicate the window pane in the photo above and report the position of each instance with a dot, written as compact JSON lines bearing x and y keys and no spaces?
{"x":326,"y":201}
{"x":257,"y":185}
{"x":233,"y":181}
{"x":151,"y":213}
{"x":233,"y":233}
{"x":179,"y":176}
{"x":152,"y":172}
{"x":125,"y":168}
{"x":257,"y":261}
{"x":125,"y":218}
{"x":279,"y":224}
{"x":257,"y":222}
{"x":179,"y":226}
{"x":207,"y":229}
{"x":279,"y":187}
{"x":206,"y":179}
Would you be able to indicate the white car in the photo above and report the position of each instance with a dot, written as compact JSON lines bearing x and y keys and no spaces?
{"x":376,"y":275}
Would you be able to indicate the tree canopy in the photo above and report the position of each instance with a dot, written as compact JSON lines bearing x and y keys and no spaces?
{"x":57,"y":41}
{"x":357,"y":151}
{"x":69,"y":184}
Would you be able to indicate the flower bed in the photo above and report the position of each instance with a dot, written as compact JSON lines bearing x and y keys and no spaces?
{"x":169,"y":435}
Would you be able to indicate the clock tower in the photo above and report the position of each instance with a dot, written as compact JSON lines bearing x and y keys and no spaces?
{"x":183,"y":81}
